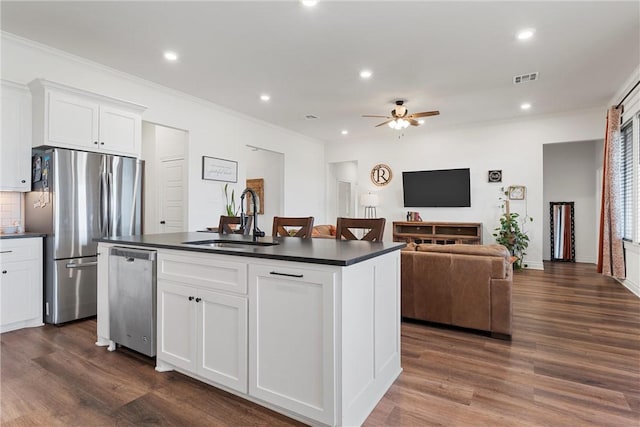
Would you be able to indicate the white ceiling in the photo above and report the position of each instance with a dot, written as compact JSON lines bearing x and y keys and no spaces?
{"x":457,"y":57}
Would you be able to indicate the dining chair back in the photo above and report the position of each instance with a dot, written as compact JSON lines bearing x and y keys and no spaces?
{"x":373,"y":228}
{"x":292,"y":226}
{"x":231,"y":225}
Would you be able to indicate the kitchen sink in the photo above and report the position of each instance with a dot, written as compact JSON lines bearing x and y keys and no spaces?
{"x":224,"y":243}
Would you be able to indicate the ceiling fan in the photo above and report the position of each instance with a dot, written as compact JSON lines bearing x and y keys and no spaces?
{"x":400,"y":119}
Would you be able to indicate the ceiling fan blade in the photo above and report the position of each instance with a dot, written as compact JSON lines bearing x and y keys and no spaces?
{"x":424,"y":114}
{"x":384,"y":123}
{"x":381,"y":117}
{"x":412,"y":122}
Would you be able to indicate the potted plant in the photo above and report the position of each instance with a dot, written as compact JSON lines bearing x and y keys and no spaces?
{"x":511,"y":235}
{"x":230,"y":207}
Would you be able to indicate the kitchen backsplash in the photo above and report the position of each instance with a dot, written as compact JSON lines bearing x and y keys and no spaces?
{"x":10,"y":208}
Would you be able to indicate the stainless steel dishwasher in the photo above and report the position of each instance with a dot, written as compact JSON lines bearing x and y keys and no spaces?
{"x":132,"y":298}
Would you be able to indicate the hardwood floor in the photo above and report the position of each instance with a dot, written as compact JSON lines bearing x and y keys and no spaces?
{"x":574,"y":361}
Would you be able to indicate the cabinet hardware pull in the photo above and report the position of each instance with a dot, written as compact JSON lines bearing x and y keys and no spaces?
{"x":4,"y":271}
{"x":191,"y":298}
{"x":101,"y":143}
{"x":198,"y":299}
{"x":286,"y":274}
{"x":162,"y":222}
{"x":131,"y":259}
{"x":23,"y":181}
{"x":5,"y":252}
{"x":95,"y":142}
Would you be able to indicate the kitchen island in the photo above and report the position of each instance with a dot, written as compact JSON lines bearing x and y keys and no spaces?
{"x":307,"y":327}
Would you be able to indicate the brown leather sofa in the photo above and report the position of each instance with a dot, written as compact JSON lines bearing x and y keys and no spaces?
{"x":462,"y":285}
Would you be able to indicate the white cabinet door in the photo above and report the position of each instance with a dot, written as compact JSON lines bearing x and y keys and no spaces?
{"x":291,"y":347}
{"x":15,"y":146}
{"x":68,"y":117}
{"x":222,"y":339}
{"x":20,"y":283}
{"x":120,"y":131}
{"x":72,"y":121}
{"x":177,"y":313}
{"x":20,"y":300}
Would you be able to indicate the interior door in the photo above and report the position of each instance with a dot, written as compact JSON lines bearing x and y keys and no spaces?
{"x":172,"y":201}
{"x":344,"y":200}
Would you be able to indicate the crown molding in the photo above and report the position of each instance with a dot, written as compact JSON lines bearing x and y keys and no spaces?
{"x":149,"y":84}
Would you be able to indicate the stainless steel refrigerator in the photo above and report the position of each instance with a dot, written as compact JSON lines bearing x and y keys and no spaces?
{"x":76,"y":197}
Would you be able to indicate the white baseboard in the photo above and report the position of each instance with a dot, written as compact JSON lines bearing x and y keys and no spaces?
{"x":632,"y":286}
{"x":534,"y":265}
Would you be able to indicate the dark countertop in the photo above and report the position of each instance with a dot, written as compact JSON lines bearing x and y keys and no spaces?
{"x":21,"y":235}
{"x":314,"y":251}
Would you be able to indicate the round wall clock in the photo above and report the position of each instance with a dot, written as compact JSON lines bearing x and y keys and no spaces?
{"x":381,"y":174}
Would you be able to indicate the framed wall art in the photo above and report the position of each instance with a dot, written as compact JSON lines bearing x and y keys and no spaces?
{"x":381,"y":174}
{"x":517,"y":192}
{"x":214,"y":169}
{"x":495,"y":176}
{"x":257,"y":185}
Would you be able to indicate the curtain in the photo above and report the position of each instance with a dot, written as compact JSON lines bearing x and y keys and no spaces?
{"x":611,"y":250}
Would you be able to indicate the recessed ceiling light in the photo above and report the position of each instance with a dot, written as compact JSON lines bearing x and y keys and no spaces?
{"x":525,"y":106}
{"x":170,"y":56}
{"x":309,"y":3}
{"x":265,"y":97}
{"x":365,"y":74}
{"x":344,"y":132}
{"x":526,"y":34}
{"x":420,"y":122}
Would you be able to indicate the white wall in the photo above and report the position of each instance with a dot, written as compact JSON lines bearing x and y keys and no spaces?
{"x":213,"y":130}
{"x":268,"y":166}
{"x":570,"y":176}
{"x":515,"y":147}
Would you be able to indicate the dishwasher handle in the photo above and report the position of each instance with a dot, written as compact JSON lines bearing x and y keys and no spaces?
{"x":133,"y":254}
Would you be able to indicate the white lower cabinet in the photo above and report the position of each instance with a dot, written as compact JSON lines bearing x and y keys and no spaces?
{"x":203,"y":332}
{"x":20,"y":283}
{"x":291,"y":356}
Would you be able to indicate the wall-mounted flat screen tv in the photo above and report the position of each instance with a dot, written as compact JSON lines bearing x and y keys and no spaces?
{"x":448,"y":188}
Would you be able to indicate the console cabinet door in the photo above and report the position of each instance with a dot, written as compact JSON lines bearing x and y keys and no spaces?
{"x":291,"y":347}
{"x":177,"y":313}
{"x":222,"y":339}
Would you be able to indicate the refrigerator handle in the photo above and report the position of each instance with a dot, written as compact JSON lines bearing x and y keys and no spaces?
{"x":113,"y":206}
{"x":104,"y":205}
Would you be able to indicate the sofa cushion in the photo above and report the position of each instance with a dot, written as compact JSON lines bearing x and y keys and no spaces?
{"x":328,"y":230}
{"x":487,"y":250}
{"x":496,"y":255}
{"x":411,"y":247}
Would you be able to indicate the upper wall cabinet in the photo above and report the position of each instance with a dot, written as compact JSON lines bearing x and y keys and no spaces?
{"x":15,"y":146}
{"x":72,"y":118}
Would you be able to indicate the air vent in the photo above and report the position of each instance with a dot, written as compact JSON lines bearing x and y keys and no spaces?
{"x":310,"y":117}
{"x":530,"y":77}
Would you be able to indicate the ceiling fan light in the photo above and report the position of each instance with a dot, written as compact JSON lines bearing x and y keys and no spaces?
{"x":392,"y":124}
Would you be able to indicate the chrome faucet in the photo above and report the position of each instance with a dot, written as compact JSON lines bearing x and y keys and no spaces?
{"x":243,"y":218}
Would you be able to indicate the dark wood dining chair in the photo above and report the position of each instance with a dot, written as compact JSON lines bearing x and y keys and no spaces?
{"x":292,"y":226}
{"x":374,"y":228}
{"x":231,"y":225}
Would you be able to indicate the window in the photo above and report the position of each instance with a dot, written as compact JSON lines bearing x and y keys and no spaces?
{"x":627,"y":180}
